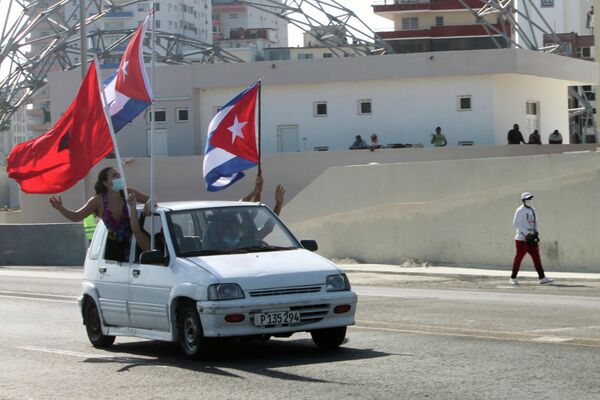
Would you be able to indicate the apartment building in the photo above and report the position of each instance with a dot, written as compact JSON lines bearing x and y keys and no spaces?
{"x":435,"y":25}
{"x":245,"y":30}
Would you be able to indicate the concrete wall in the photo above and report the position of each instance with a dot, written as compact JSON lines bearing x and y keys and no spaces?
{"x":180,"y":178}
{"x":4,"y":189}
{"x":457,"y":211}
{"x":42,"y":244}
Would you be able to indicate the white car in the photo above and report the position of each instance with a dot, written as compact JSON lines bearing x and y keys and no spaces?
{"x":222,"y":269}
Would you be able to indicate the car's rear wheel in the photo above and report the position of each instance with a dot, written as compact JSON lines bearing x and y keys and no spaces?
{"x":329,"y":338}
{"x":93,"y":326}
{"x":191,"y":337}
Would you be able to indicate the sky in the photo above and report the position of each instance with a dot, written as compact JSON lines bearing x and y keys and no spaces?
{"x":362,"y":8}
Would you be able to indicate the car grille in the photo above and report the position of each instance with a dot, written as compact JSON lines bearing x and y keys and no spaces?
{"x":308,"y":314}
{"x":285,"y":291}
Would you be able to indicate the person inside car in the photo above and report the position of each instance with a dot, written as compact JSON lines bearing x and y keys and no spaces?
{"x":109,"y":204}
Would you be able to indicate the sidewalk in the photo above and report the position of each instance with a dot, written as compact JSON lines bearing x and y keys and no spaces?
{"x":441,"y":270}
{"x":77,"y":272}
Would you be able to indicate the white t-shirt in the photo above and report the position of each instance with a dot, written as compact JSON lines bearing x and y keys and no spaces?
{"x":525,"y":222}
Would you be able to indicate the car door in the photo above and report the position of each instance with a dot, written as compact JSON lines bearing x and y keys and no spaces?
{"x":150,"y":289}
{"x":111,"y":282}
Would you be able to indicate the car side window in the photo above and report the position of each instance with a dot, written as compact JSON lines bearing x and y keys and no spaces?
{"x":96,"y":244}
{"x":159,"y":239}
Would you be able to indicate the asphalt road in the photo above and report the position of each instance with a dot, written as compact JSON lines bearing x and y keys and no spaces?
{"x":417,"y":337}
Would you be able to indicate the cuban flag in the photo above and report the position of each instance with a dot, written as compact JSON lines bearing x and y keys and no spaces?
{"x":231,"y":146}
{"x":127,"y":90}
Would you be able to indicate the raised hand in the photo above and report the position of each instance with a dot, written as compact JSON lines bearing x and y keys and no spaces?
{"x":279,"y":194}
{"x":56,"y":202}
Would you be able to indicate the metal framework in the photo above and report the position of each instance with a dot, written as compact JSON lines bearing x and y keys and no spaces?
{"x":26,"y":61}
{"x":519,"y":27}
{"x":518,"y":24}
{"x":331,"y":24}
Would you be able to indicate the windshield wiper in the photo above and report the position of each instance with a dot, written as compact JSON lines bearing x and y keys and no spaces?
{"x":253,"y":249}
{"x":199,"y":253}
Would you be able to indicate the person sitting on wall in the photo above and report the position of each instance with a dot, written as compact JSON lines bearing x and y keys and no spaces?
{"x":555,"y":137}
{"x":358,"y":144}
{"x":515,"y":136}
{"x":374,"y":142}
{"x":535,"y":138}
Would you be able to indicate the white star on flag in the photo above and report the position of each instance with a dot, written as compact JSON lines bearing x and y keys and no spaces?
{"x":236,"y":129}
{"x":124,"y":69}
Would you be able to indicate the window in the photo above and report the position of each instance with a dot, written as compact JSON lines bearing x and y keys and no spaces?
{"x":584,"y":52}
{"x":365,"y":107}
{"x":439,"y":21}
{"x":531,"y":108}
{"x":143,"y":6}
{"x":464,"y":103}
{"x":327,"y":55}
{"x":157,"y":23}
{"x":410,"y":23}
{"x":320,"y":108}
{"x":160,"y":116}
{"x":156,"y":6}
{"x":305,"y":56}
{"x":547,"y":3}
{"x":234,"y":15}
{"x":182,"y":115}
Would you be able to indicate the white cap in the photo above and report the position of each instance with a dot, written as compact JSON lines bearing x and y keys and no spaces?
{"x":526,"y":196}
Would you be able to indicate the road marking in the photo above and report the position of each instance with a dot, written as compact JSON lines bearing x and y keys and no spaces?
{"x":123,"y":359}
{"x":565,"y":329}
{"x":552,"y":339}
{"x":475,"y":333}
{"x":48,"y":297}
{"x":37,"y":299}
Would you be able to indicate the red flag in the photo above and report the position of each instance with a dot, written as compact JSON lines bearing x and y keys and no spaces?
{"x":57,"y":160}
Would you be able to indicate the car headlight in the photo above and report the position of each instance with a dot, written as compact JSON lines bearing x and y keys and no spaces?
{"x":337,"y":283}
{"x":225,"y":291}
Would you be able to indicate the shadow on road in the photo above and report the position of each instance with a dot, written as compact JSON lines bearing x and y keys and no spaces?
{"x":261,"y":358}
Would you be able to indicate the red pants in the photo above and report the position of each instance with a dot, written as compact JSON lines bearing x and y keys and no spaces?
{"x":534,"y":251}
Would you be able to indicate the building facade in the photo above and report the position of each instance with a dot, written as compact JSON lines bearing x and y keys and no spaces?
{"x":435,"y":25}
{"x":307,"y":105}
{"x":245,"y":30}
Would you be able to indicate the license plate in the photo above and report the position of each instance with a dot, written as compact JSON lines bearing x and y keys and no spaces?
{"x":277,"y":318}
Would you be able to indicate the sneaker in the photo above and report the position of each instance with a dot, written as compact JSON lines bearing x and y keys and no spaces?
{"x":514,"y":282}
{"x":546,"y":280}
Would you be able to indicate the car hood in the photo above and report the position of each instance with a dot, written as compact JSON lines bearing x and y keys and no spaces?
{"x":269,"y":269}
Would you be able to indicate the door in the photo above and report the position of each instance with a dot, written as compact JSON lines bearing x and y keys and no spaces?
{"x":150,"y":288}
{"x":160,"y":142}
{"x":112,"y":281}
{"x":288,"y":138}
{"x":533,"y":116}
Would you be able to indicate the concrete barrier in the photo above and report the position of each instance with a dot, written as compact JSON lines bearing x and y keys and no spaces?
{"x":42,"y":244}
{"x":457,"y":212}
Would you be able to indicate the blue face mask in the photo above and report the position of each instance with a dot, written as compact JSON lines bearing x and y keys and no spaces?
{"x":118,"y":184}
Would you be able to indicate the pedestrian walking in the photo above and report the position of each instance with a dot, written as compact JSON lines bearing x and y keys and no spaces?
{"x":527,"y":239}
{"x":515,"y":136}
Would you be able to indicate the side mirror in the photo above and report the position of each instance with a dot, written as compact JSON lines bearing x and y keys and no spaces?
{"x":153,"y":257}
{"x":310,"y":245}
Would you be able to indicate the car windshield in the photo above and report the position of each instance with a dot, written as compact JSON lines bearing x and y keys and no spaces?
{"x":228,"y":230}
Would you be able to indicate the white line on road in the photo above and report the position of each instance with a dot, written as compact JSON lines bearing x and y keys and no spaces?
{"x":37,"y":299}
{"x":124,"y":358}
{"x":62,"y":296}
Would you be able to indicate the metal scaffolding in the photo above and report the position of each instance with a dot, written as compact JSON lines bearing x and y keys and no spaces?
{"x":329,"y":24}
{"x":26,"y":60}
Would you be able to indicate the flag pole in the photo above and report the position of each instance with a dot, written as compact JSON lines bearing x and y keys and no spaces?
{"x":110,"y":127}
{"x":153,"y":117}
{"x":259,"y":126}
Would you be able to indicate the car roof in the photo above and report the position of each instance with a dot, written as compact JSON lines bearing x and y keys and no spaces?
{"x":194,"y":205}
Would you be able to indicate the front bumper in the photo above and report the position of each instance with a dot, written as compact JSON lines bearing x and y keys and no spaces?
{"x":316,"y":312}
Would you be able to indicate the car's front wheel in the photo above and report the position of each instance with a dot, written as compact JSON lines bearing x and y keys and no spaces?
{"x":191,"y":337}
{"x":93,"y":326}
{"x":329,"y":338}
